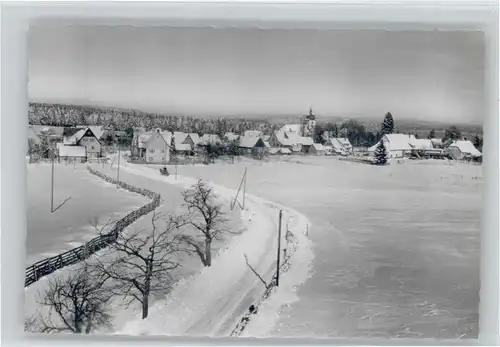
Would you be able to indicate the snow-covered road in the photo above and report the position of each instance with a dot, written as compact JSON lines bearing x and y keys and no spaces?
{"x":212,"y":302}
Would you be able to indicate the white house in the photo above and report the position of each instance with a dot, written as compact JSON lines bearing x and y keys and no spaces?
{"x":421,"y":144}
{"x":252,"y":144}
{"x":341,"y":145}
{"x":461,"y":149}
{"x":397,"y":145}
{"x":89,"y":145}
{"x":316,"y":149}
{"x":71,"y":152}
{"x":157,"y":147}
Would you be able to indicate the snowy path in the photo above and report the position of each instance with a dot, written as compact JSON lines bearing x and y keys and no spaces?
{"x":212,"y":302}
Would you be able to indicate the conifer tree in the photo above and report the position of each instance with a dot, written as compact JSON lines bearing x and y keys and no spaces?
{"x":387,"y":126}
{"x":380,"y":155}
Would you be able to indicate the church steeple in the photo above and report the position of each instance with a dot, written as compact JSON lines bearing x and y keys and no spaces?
{"x":311,"y":115}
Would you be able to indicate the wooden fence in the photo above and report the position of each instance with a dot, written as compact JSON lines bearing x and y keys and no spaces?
{"x":76,"y":255}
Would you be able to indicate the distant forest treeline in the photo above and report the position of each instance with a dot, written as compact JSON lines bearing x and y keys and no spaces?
{"x":113,"y":119}
{"x":121,"y":120}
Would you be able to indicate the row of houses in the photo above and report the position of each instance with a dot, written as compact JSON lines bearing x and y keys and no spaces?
{"x":404,"y":145}
{"x":74,"y":143}
{"x":157,"y":146}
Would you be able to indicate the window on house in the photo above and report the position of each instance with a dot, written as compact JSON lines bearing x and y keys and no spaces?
{"x":92,"y":147}
{"x":150,"y":158}
{"x":162,"y":158}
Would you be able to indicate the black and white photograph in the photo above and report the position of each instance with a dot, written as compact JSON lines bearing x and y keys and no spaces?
{"x":254,"y":182}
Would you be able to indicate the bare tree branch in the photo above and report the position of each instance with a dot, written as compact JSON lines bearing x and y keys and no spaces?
{"x":206,"y":216}
{"x":77,"y":301}
{"x":140,"y":262}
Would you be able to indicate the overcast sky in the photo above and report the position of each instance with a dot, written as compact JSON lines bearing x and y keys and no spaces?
{"x":414,"y":75}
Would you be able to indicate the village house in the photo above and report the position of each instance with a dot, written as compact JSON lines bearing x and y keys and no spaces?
{"x":437,"y":143}
{"x":252,"y":133}
{"x":184,"y":145}
{"x":230,"y":137}
{"x":51,"y":134}
{"x":397,"y":145}
{"x":316,"y":149}
{"x":422,"y":148}
{"x":79,"y":144}
{"x":157,"y":147}
{"x":340,"y":146}
{"x":290,"y":140}
{"x":252,"y":145}
{"x":279,"y":151}
{"x":462,"y":149}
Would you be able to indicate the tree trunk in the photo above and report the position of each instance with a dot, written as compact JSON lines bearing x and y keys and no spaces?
{"x":145,"y":306}
{"x":208,"y":253}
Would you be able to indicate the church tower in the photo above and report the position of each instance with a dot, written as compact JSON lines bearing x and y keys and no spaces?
{"x":309,"y":124}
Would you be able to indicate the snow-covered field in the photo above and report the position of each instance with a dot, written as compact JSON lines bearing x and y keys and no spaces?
{"x":396,"y":251}
{"x":50,"y":233}
{"x":396,"y":247}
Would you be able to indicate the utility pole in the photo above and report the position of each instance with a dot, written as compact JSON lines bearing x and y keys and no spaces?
{"x":244,"y":187}
{"x":118,"y":170}
{"x":279,"y":251}
{"x":52,"y":188}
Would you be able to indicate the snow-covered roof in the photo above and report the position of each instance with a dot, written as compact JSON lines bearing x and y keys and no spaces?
{"x":318,"y":146}
{"x":47,"y":130}
{"x":285,"y":151}
{"x":305,"y":141}
{"x":399,"y":141}
{"x":340,"y":143}
{"x":274,"y":150}
{"x":74,"y":137}
{"x":71,"y":151}
{"x":287,"y":139}
{"x":466,"y":147}
{"x":421,"y":144}
{"x":291,"y":128}
{"x":231,"y":136}
{"x":183,"y":147}
{"x":252,"y":133}
{"x":344,"y":141}
{"x":251,"y":142}
{"x":396,"y":142}
{"x":437,"y":142}
{"x":143,"y":138}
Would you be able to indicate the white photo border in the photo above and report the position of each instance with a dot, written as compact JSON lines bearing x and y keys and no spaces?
{"x":403,"y":15}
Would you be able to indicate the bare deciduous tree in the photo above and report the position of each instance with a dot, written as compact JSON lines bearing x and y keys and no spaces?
{"x":30,"y":323}
{"x":206,"y":216}
{"x":140,"y":262}
{"x":78,"y":301}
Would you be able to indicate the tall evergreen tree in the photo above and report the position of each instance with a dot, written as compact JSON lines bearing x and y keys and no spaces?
{"x":380,"y":155}
{"x":432,"y":134}
{"x":387,"y":126}
{"x":478,"y":142}
{"x":452,"y":134}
